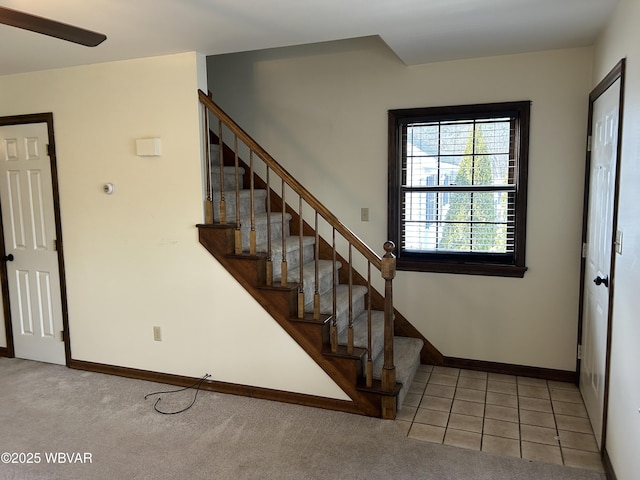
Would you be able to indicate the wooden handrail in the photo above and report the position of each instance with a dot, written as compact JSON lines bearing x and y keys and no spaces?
{"x":312,"y":201}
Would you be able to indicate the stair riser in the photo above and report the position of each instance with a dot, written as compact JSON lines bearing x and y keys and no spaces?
{"x":214,"y":155}
{"x":360,"y":334}
{"x":325,"y":280}
{"x":293,"y":259}
{"x":326,"y":270}
{"x":406,"y":358}
{"x":261,"y":233}
{"x":245,"y":204}
{"x":229,"y":178}
{"x":343,"y":312}
{"x":325,"y":284}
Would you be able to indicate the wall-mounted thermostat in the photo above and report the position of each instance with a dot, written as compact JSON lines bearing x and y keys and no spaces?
{"x":107,"y":188}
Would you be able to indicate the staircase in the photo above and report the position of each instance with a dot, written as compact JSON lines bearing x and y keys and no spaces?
{"x":302,"y":280}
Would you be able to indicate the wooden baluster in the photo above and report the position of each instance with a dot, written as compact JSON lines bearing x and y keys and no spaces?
{"x":238,"y":232}
{"x":252,"y":234}
{"x":369,"y":346}
{"x":388,"y":271}
{"x":334,"y":291}
{"x":269,"y":266}
{"x":350,"y":328}
{"x":283,"y":274}
{"x":301,"y":261}
{"x":208,"y":203}
{"x":316,"y":292}
{"x":223,"y":203}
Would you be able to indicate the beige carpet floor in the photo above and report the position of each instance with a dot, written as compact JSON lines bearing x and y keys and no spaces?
{"x":59,"y":413}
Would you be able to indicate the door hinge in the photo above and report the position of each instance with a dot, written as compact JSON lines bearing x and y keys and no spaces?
{"x":55,"y":244}
{"x":579,"y":352}
{"x":584,"y":249}
{"x":589,"y":140}
{"x":61,"y":335}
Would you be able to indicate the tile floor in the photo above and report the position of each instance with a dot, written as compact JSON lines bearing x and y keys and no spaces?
{"x":501,"y":414}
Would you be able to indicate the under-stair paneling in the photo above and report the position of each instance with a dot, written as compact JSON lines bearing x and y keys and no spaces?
{"x":321,"y":110}
{"x":133,"y":260}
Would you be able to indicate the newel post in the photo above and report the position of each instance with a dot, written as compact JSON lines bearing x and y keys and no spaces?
{"x":388,"y":271}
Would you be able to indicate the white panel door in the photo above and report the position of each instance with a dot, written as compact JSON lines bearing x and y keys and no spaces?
{"x":26,"y":198}
{"x":599,"y":240}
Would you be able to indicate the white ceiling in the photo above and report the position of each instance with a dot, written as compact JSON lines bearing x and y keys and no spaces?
{"x":418,"y":31}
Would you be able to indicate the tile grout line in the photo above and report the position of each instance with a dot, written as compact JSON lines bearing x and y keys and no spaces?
{"x":455,"y":389}
{"x":484,"y":410}
{"x":519,"y":418}
{"x":555,"y":423}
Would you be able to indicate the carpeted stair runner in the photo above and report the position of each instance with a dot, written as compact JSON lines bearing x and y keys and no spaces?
{"x":406,"y":350}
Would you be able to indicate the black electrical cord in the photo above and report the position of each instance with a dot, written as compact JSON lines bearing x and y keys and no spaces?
{"x":198,"y":383}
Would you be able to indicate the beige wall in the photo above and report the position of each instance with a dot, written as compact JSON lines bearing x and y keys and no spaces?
{"x":622,"y":39}
{"x":133,"y":259}
{"x":321,"y":110}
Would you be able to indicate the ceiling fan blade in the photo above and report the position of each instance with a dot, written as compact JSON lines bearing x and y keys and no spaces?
{"x":49,"y":27}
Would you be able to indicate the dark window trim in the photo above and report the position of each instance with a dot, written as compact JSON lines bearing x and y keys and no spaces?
{"x":444,"y":263}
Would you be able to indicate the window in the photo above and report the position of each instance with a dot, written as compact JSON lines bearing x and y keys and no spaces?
{"x":458,"y":188}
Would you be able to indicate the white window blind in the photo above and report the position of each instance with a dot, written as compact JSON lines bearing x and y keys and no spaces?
{"x":458,"y":186}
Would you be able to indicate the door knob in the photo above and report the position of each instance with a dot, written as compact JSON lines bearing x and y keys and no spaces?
{"x":601,"y":281}
{"x":8,"y":258}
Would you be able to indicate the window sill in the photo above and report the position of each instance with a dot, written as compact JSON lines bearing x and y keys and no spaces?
{"x":493,"y":270}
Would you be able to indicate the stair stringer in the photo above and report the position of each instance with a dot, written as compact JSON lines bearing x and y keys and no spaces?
{"x":312,"y":335}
